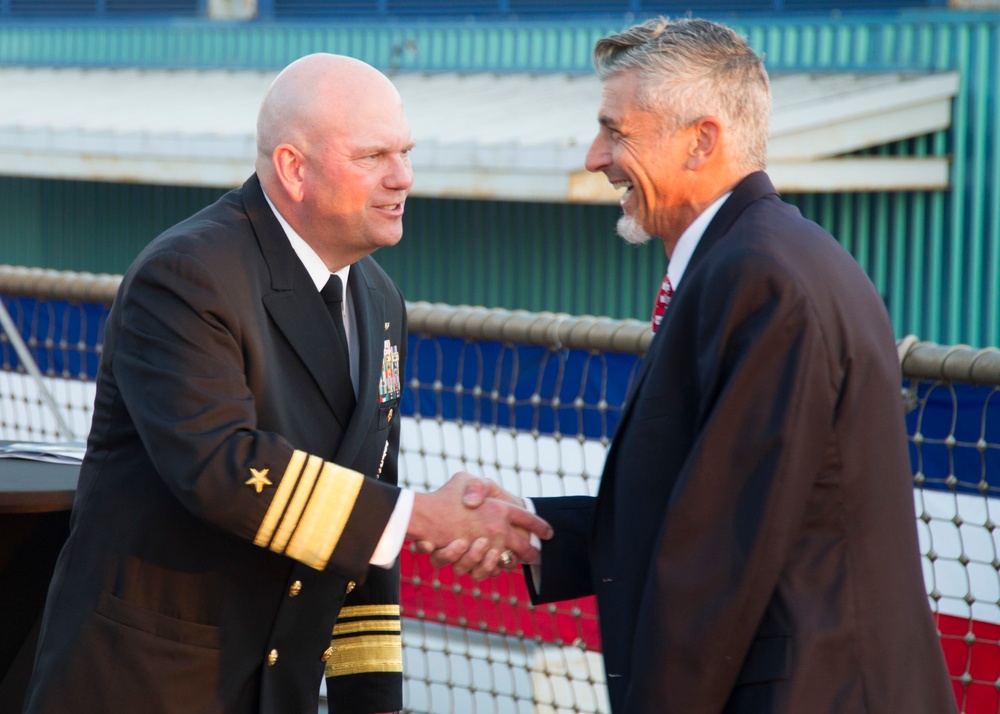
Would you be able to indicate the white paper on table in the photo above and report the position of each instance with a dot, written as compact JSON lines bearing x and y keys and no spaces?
{"x":55,"y":452}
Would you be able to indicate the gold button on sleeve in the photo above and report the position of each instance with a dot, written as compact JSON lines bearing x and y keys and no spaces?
{"x":327,"y":654}
{"x":351,"y":585}
{"x":295,"y":588}
{"x":272,"y":658}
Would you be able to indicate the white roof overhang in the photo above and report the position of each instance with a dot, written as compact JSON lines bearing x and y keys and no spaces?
{"x":512,"y":137}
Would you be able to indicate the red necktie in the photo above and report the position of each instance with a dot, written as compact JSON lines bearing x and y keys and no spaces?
{"x":662,"y":300}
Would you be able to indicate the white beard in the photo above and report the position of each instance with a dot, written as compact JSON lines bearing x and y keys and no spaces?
{"x":630,"y":230}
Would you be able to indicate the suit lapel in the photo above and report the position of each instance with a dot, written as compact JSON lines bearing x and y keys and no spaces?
{"x":297,"y":308}
{"x":752,"y":187}
{"x":369,"y":311}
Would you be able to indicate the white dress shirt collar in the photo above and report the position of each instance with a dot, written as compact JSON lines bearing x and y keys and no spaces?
{"x":314,"y":265}
{"x":320,"y":274}
{"x":689,"y":241}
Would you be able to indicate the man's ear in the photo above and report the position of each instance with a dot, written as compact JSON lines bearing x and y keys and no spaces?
{"x":289,"y":166}
{"x":705,"y":143}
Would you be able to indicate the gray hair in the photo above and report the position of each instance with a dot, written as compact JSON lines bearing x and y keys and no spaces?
{"x":691,"y":68}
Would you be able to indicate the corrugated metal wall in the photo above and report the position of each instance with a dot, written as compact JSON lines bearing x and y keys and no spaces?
{"x":79,"y":225}
{"x":435,"y":46}
{"x":827,"y":40}
{"x":934,"y":256}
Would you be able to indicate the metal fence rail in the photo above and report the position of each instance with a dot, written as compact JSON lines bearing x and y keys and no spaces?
{"x":531,"y":400}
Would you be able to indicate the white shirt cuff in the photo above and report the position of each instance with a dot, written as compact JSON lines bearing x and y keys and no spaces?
{"x":394,"y":534}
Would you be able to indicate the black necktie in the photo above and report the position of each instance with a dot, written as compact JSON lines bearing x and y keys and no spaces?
{"x":333,"y":296}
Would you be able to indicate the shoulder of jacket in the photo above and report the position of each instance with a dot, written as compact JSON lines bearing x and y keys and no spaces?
{"x":378,"y":277}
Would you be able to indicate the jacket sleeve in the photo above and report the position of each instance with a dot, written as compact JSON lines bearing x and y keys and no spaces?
{"x":565,"y":570}
{"x":767,"y":401}
{"x":182,"y":359}
{"x":365,"y":672}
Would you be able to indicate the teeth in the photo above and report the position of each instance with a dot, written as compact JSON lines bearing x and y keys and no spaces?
{"x":624,"y":187}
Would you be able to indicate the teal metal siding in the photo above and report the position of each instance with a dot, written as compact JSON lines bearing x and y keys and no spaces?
{"x":867,"y":41}
{"x":79,"y":225}
{"x":436,"y":47}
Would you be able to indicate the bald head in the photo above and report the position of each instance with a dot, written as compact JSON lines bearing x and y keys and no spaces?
{"x":306,"y":99}
{"x":333,"y":146}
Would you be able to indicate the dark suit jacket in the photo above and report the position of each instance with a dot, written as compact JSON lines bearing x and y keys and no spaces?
{"x":181,"y":588}
{"x":753,"y":545}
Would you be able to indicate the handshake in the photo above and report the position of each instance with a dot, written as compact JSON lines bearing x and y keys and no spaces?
{"x":475,"y":526}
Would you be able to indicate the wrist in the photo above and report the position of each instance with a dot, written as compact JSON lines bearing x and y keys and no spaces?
{"x":417,"y":527}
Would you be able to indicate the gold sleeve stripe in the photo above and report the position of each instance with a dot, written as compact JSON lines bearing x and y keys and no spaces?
{"x":325,"y":515}
{"x":302,"y":492}
{"x":281,"y":496}
{"x":369,"y":611}
{"x":381,"y":626}
{"x":363,"y":655}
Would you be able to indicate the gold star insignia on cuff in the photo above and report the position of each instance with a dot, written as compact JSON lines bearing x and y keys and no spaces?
{"x":259,"y":479}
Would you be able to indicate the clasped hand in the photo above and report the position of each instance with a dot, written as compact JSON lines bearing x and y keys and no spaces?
{"x":469,"y":522}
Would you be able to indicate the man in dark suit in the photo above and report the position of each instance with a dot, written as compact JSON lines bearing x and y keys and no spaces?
{"x":752,"y":545}
{"x":240,"y":476}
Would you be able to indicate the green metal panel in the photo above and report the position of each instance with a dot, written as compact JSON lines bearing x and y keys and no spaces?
{"x":21,"y":233}
{"x":438,"y":46}
{"x":78,"y":225}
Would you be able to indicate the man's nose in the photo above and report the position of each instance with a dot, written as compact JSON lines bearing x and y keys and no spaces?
{"x":598,"y":156}
{"x":401,"y":176}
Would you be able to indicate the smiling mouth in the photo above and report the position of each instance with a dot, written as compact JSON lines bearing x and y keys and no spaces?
{"x":625,"y":187}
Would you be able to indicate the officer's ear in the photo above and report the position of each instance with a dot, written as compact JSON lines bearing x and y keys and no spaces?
{"x":289,"y":166}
